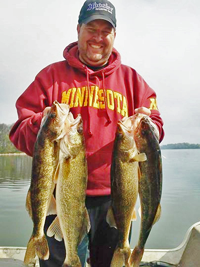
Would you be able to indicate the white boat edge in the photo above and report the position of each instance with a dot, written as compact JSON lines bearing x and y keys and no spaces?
{"x":185,"y":255}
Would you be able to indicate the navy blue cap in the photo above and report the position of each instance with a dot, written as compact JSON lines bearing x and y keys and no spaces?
{"x":101,"y":9}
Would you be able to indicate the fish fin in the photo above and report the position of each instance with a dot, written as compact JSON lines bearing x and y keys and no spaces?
{"x":55,"y":177}
{"x":136,"y":257}
{"x":87,"y":221}
{"x":139,"y":173}
{"x":64,"y":149}
{"x":55,"y":230}
{"x":28,"y":203}
{"x":37,"y":246}
{"x":110,"y":218}
{"x":158,"y":214}
{"x":121,"y":257}
{"x":52,"y":206}
{"x":134,"y":215}
{"x":86,"y":226}
{"x":140,"y":157}
{"x":140,"y":211}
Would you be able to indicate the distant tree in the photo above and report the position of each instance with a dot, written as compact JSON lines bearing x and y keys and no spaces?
{"x":6,"y":145}
{"x":181,"y":146}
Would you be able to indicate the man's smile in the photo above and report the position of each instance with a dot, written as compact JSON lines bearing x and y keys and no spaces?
{"x":96,"y":46}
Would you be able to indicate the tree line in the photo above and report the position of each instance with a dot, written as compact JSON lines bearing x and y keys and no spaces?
{"x":181,"y":146}
{"x":6,"y":145}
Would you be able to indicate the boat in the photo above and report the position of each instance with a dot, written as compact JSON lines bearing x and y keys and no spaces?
{"x":187,"y":254}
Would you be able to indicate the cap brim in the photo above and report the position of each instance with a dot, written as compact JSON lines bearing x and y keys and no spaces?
{"x":94,"y":17}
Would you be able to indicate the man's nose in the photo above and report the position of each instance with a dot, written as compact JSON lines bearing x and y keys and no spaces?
{"x":98,"y":36}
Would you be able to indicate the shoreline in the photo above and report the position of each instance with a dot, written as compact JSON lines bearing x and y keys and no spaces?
{"x":13,"y":154}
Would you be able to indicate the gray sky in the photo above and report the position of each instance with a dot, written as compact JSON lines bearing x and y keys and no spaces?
{"x":160,"y":39}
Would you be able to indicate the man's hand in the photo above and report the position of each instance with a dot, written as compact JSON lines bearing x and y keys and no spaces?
{"x":143,"y":110}
{"x":147,"y":112}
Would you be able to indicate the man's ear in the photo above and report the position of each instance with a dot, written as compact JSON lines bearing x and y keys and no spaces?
{"x":78,"y":28}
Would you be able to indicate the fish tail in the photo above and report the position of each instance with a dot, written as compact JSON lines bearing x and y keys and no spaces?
{"x":136,"y":257}
{"x":121,"y":257}
{"x":75,"y":262}
{"x":42,"y":248}
{"x":37,"y":246}
{"x":30,"y":252}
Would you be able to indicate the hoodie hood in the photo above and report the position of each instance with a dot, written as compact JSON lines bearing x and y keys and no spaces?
{"x":71,"y":55}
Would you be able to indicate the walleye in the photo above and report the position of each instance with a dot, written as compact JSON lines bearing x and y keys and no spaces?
{"x":45,"y":160}
{"x":72,"y":218}
{"x":124,"y":187}
{"x":150,"y":183}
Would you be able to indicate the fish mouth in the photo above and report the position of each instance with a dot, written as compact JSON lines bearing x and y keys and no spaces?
{"x":129,"y":124}
{"x":147,"y":125}
{"x":126,"y":125}
{"x":62,"y":108}
{"x":145,"y":122}
{"x":67,"y":122}
{"x":62,"y":111}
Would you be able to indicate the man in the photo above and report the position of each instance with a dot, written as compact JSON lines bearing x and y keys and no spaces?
{"x":96,"y":85}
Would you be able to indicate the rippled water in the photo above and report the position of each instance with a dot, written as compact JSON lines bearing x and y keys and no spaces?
{"x":15,"y":225}
{"x":180,"y":200}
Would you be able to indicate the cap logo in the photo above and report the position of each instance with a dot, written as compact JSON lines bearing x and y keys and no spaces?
{"x":95,"y":6}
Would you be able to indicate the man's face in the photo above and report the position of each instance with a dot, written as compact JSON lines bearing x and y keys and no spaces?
{"x":95,"y":42}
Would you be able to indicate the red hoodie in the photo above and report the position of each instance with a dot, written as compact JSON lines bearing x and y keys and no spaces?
{"x":101,"y":97}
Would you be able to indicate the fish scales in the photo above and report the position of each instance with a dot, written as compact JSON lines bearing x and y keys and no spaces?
{"x":44,"y":164}
{"x":71,"y":192}
{"x":150,"y":184}
{"x":124,"y":188}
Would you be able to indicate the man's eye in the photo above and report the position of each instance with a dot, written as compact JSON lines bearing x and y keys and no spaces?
{"x":91,"y":30}
{"x":106,"y":33}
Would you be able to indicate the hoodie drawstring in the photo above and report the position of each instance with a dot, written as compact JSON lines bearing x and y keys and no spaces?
{"x":105,"y":97}
{"x":88,"y":89}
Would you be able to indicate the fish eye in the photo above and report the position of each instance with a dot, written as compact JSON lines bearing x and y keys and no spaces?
{"x":80,"y":130}
{"x":53,"y":115}
{"x":120,"y":135}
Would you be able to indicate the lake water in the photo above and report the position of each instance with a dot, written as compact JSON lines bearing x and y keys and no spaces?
{"x":180,"y":200}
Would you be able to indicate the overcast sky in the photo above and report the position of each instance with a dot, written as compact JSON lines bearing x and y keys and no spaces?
{"x":160,"y":39}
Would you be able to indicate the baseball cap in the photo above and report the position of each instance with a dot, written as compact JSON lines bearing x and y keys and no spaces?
{"x":100,"y":9}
